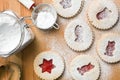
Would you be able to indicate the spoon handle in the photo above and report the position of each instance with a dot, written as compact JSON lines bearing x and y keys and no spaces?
{"x":27,"y":3}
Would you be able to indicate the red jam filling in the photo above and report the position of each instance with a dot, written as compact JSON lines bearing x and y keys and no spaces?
{"x":66,"y":3}
{"x":110,"y":48}
{"x":47,"y":65}
{"x":78,"y":33}
{"x":85,"y":68}
{"x":103,"y":14}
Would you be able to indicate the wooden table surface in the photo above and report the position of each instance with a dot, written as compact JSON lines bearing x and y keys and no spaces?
{"x":54,"y":40}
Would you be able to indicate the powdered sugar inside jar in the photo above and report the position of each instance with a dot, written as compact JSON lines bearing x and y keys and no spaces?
{"x":14,"y":35}
{"x":10,"y":33}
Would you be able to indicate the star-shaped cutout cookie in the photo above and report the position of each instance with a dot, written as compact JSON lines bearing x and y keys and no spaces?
{"x":47,"y":65}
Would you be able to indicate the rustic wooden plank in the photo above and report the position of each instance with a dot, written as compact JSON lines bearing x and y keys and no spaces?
{"x":50,"y":40}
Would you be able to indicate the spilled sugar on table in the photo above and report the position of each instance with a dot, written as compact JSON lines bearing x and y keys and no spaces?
{"x":54,"y":40}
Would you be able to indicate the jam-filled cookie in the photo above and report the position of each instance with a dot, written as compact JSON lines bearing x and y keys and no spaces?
{"x":68,"y":8}
{"x":84,"y":67}
{"x":102,"y":14}
{"x":48,"y":65}
{"x":78,"y":35}
{"x":108,"y":47}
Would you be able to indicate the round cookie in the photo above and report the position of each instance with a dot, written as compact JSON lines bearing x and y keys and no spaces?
{"x":102,"y":14}
{"x":68,"y":8}
{"x":78,"y":35}
{"x":108,"y":47}
{"x":84,"y":67}
{"x":48,"y":65}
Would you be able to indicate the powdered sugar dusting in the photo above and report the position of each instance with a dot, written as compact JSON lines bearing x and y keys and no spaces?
{"x":65,"y":52}
{"x":106,"y":71}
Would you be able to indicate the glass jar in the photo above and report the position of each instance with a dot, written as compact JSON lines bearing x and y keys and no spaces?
{"x":15,"y":34}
